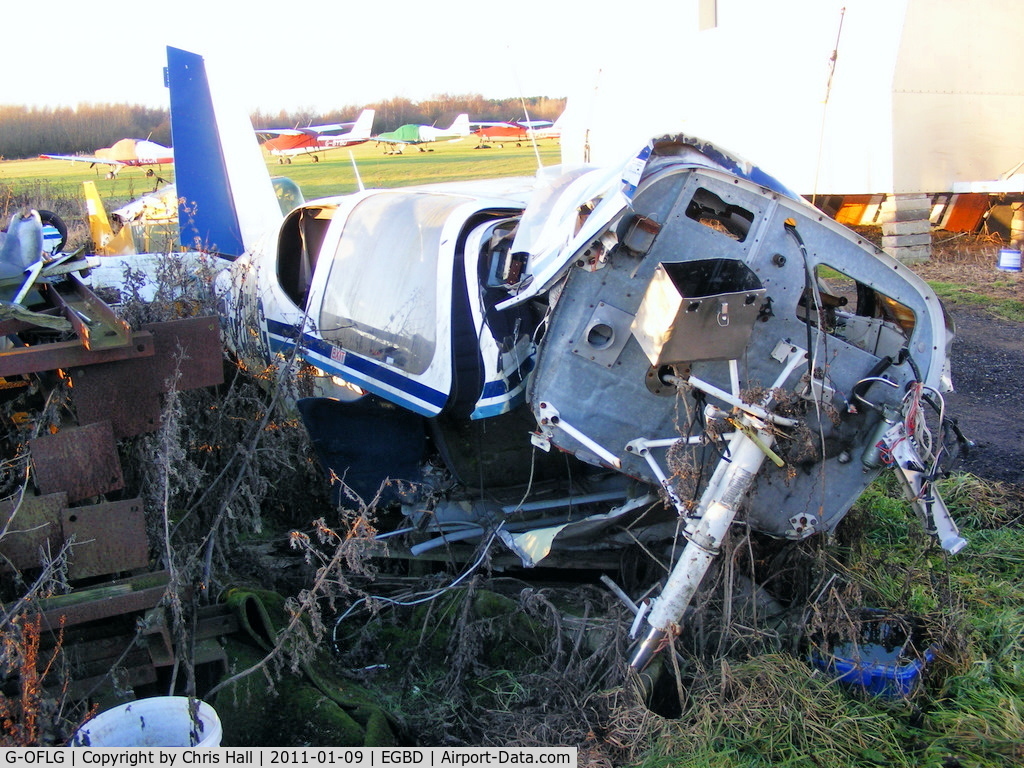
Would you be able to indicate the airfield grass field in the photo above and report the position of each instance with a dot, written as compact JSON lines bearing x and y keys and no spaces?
{"x":46,"y":181}
{"x":756,"y":701}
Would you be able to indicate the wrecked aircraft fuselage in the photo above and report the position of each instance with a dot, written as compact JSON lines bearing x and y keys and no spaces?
{"x":667,"y":346}
{"x":702,"y":340}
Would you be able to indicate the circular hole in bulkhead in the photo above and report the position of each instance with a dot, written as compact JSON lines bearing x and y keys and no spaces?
{"x":600,"y":335}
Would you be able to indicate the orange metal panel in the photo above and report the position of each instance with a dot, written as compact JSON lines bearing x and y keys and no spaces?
{"x":966,"y":212}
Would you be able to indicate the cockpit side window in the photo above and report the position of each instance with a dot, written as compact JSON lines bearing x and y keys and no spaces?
{"x":302,"y":236}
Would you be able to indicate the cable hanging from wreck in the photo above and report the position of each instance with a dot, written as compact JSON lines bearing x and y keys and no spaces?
{"x":484,"y":549}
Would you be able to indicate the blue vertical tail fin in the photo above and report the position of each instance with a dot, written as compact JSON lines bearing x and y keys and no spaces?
{"x":226,"y":200}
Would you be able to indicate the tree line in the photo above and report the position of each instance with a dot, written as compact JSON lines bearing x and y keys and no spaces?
{"x":32,"y":131}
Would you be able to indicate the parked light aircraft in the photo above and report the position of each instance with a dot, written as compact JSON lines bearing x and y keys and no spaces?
{"x":126,"y":152}
{"x":500,"y":132}
{"x":599,"y":356}
{"x":291,"y":142}
{"x":412,"y":134}
{"x":521,"y":131}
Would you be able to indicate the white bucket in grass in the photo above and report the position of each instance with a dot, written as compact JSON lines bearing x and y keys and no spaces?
{"x":161,"y":721}
{"x":1009,"y":260}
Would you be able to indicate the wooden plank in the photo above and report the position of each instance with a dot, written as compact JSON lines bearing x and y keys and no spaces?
{"x":136,"y":593}
{"x":965,"y":213}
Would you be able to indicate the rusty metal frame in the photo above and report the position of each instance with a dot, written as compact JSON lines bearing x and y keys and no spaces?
{"x":37,"y":358}
{"x":96,"y":324}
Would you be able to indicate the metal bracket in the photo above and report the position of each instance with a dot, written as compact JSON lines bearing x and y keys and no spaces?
{"x":550,"y":418}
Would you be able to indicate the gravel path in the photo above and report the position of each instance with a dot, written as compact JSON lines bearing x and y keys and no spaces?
{"x":988,"y":379}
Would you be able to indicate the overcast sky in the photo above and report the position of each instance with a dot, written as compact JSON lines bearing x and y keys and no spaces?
{"x":323,"y":54}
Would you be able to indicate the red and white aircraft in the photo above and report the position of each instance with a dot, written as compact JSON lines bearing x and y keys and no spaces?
{"x":523,"y":130}
{"x":290,"y":142}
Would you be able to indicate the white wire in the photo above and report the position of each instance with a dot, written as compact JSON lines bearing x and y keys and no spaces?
{"x":931,"y":448}
{"x":426,"y":598}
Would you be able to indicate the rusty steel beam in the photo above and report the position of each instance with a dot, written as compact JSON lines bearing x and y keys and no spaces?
{"x":36,"y":358}
{"x":97,"y":325}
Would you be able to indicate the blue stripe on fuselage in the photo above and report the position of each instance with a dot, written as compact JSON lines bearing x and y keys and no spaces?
{"x":382,"y":380}
{"x":359,"y":370}
{"x":501,"y":387}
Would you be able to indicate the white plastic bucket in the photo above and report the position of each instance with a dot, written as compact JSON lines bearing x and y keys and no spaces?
{"x":162,"y":721}
{"x":1009,"y":260}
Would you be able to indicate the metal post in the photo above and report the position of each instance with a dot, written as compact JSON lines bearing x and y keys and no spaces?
{"x":717,"y":509}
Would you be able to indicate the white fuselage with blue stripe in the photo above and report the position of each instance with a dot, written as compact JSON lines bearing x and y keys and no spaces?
{"x":376,"y":290}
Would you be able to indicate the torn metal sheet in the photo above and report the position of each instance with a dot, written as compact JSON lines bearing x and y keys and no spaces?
{"x":80,"y":461}
{"x":535,"y":544}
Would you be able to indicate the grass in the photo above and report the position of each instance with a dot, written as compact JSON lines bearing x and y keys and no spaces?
{"x":62,"y":179}
{"x":772,"y":709}
{"x":445,"y":162}
{"x":963,"y":270}
{"x":977,"y":296}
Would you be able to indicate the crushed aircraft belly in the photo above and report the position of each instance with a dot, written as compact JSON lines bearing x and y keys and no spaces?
{"x":678,"y":339}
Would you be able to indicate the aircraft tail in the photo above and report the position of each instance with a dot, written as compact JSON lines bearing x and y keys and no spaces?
{"x":461,"y":125}
{"x":226,"y":198}
{"x":105,"y":242}
{"x":363,"y":129}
